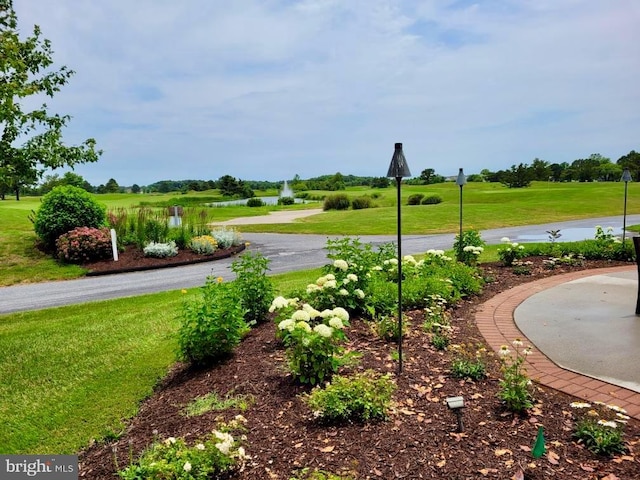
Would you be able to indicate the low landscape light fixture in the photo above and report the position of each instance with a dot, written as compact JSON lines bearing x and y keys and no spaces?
{"x":456,"y":404}
{"x":398,"y":169}
{"x":461,"y":181}
{"x":626,"y":178}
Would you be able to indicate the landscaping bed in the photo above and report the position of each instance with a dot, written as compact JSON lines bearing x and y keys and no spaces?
{"x":419,"y":440}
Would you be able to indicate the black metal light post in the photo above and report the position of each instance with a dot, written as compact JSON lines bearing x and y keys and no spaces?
{"x":461,"y":181}
{"x":397,"y":170}
{"x":626,"y":178}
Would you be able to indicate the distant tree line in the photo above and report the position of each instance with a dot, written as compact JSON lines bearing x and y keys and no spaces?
{"x":596,"y":168}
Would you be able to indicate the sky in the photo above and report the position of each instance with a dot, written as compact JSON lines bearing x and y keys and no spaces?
{"x":270,"y":89}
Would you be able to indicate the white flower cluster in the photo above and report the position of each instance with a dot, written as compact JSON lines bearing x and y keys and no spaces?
{"x":300,"y":318}
{"x":279,"y":303}
{"x":341,"y":265}
{"x":513,"y":245}
{"x":473,"y":249}
{"x":438,"y":254}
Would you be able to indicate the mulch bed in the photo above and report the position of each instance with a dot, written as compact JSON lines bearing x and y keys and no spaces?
{"x":419,"y":439}
{"x":132,"y":259}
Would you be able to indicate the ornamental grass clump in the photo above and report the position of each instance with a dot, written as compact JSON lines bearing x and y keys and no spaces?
{"x":515,"y":385}
{"x":160,"y":250}
{"x":214,"y":456}
{"x":84,"y":244}
{"x":600,"y":427}
{"x":364,"y":397}
{"x":203,"y":245}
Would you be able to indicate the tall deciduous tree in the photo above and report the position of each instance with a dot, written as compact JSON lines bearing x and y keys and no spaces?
{"x":31,"y":140}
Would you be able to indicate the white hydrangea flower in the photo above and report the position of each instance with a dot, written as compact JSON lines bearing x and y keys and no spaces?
{"x":330,"y":284}
{"x":323,"y":330}
{"x":326,"y":313}
{"x":303,"y":326}
{"x":187,"y":467}
{"x":344,"y":292}
{"x":341,"y":265}
{"x":341,"y":313}
{"x":200,"y":446}
{"x":301,"y":316}
{"x":352,"y":277}
{"x":287,"y":324}
{"x":312,"y":287}
{"x":330,"y":276}
{"x":336,"y":322}
{"x":359,"y":293}
{"x":278,"y":303}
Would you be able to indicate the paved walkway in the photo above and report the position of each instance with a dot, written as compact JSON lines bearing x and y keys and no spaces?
{"x":565,"y":299}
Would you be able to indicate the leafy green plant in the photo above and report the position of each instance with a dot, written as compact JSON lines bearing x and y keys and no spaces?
{"x":387,"y":328}
{"x":469,"y":248}
{"x":308,"y":474}
{"x":173,"y":459}
{"x":600,"y":427}
{"x":255,"y":287}
{"x":286,"y":201}
{"x":363,"y":397}
{"x":84,"y":244}
{"x":468,"y":362}
{"x":65,"y":208}
{"x":203,"y":245}
{"x":160,"y":250}
{"x":522,"y":268}
{"x":212,"y":325}
{"x":440,"y":340}
{"x":211,"y":401}
{"x":515,"y":386}
{"x":511,"y":252}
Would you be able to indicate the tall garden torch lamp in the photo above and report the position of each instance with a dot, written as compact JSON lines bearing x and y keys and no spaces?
{"x":397,"y":170}
{"x":461,"y":181}
{"x":626,"y":178}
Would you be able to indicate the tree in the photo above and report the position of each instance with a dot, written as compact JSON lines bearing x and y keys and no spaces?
{"x":426,"y":175}
{"x":31,"y":140}
{"x":517,"y":177}
{"x":135,"y":188}
{"x":112,"y":186}
{"x":631,"y":161}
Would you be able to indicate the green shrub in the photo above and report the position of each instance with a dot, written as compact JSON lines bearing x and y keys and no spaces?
{"x":469,"y":362}
{"x":336,"y":202}
{"x":286,"y":201}
{"x":359,"y":203}
{"x":255,"y":202}
{"x":65,"y":208}
{"x":203,"y":245}
{"x":364,"y":397}
{"x":431,"y":200}
{"x":255,"y":287}
{"x":182,"y":235}
{"x":515,"y":386}
{"x":388,"y":329}
{"x":84,"y":244}
{"x":415,"y":199}
{"x":511,"y":252}
{"x":212,"y":325}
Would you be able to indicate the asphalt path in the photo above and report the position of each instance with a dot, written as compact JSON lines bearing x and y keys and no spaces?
{"x":286,"y":252}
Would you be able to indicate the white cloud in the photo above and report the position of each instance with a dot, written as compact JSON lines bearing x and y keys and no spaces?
{"x":267,"y":89}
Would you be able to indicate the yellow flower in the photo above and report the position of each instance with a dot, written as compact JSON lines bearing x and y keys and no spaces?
{"x":183,"y":291}
{"x":219,"y":279}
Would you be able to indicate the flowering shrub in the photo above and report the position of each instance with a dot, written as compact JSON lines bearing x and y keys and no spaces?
{"x":469,"y":248}
{"x":255,"y":287}
{"x":203,"y":245}
{"x":515,"y":386}
{"x":364,"y":397}
{"x":84,"y":244}
{"x":226,"y":237}
{"x":213,"y":325}
{"x":160,"y":250}
{"x":340,"y":289}
{"x":512,"y":252}
{"x":314,"y":353}
{"x":605,"y":235}
{"x":173,"y":459}
{"x":599,"y":427}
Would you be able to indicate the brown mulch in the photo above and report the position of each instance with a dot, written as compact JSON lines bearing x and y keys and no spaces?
{"x":132,"y":259}
{"x":417,"y":441}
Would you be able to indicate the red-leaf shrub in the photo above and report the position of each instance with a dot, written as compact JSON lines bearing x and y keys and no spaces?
{"x":84,"y":244}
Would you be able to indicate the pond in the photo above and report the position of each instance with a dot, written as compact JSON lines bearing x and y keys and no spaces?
{"x":569,"y":234}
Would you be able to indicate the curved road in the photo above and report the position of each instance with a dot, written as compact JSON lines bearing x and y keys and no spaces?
{"x":286,"y":253}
